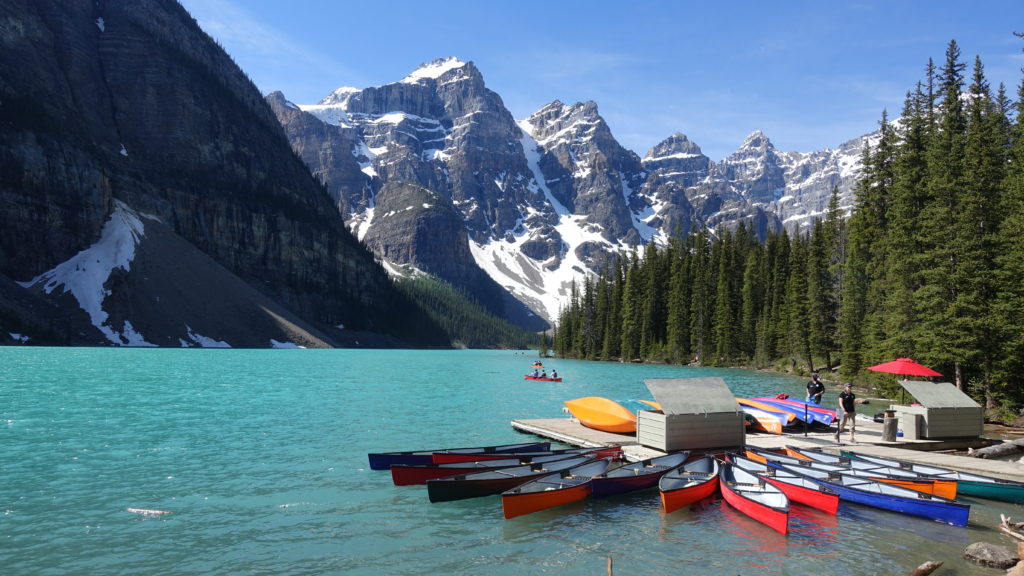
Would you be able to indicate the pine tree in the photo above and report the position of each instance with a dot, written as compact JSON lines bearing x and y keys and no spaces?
{"x":977,"y":220}
{"x":752,"y":301}
{"x":679,"y":299}
{"x":724,"y":325}
{"x":865,"y":245}
{"x":701,"y":306}
{"x":938,"y":292}
{"x":632,"y":303}
{"x":1009,"y":304}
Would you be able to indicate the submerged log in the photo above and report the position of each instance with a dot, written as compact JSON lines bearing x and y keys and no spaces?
{"x":926,"y":568}
{"x":998,"y":450}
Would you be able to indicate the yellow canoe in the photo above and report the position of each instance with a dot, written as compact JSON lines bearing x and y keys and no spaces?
{"x":607,"y":415}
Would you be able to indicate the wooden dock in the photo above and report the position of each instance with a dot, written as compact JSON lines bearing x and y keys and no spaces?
{"x":869,"y":441}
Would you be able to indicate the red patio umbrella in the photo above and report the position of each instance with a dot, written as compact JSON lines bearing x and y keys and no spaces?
{"x":904,"y":367}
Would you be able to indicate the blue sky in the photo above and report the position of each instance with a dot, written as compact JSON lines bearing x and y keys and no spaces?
{"x":809,"y":74}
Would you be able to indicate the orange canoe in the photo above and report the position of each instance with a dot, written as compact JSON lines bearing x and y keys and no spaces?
{"x":608,"y":415}
{"x":689,"y":483}
{"x":553,"y":490}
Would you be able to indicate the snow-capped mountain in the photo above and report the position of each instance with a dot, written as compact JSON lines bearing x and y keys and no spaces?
{"x":433,"y":174}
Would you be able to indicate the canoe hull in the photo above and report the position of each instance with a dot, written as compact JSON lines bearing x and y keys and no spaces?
{"x":797,"y":488}
{"x":637,"y":476}
{"x":385,"y":460}
{"x":992,"y":491}
{"x":552,"y":490}
{"x":764,"y":421}
{"x":602,"y":414}
{"x":886,"y":496}
{"x":968,"y":484}
{"x":446,"y":458}
{"x":405,"y":475}
{"x":689,"y":484}
{"x":809,"y":416}
{"x":896,"y":476}
{"x":751,"y":499}
{"x":539,"y":379}
{"x":788,"y":415}
{"x":513,"y":505}
{"x":495,"y":481}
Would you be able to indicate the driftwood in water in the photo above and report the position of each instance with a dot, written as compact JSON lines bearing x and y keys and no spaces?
{"x":1011,"y":528}
{"x":926,"y":568}
{"x":998,"y":450}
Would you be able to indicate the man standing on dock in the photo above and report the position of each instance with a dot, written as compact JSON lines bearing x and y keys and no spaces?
{"x":815,"y":389}
{"x":849,"y":406}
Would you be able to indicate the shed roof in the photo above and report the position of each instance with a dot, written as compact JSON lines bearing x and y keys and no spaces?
{"x":938,"y":394}
{"x":692,"y":395}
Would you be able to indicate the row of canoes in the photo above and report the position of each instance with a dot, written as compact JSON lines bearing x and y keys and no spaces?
{"x":759,"y":483}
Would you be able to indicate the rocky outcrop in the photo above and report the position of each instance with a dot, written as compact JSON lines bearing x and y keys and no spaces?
{"x":992,"y":555}
{"x":587,"y":170}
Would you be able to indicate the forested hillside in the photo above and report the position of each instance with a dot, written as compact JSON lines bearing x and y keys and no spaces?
{"x":466,"y":322}
{"x":929,"y":265}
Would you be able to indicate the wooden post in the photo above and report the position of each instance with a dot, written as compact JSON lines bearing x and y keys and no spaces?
{"x":609,"y":566}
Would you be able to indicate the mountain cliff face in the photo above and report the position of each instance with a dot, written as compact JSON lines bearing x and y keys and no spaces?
{"x":538,"y":203}
{"x":129,"y":135}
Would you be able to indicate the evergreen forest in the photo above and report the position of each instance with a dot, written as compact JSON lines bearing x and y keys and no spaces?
{"x":929,"y":264}
{"x":465,"y":321}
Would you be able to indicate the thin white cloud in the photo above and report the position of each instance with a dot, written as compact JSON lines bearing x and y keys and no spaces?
{"x":267,"y":54}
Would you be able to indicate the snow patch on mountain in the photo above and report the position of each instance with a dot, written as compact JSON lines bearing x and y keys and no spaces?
{"x":541,"y":284}
{"x":433,"y":70}
{"x":85,"y":274}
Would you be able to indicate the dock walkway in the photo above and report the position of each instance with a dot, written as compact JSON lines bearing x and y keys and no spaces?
{"x":869,"y":441}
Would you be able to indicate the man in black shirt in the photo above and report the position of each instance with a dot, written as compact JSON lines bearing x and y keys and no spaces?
{"x":846,"y":402}
{"x":815,"y":389}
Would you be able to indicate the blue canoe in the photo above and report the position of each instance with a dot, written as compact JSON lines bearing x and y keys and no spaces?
{"x":802,"y":414}
{"x":968,"y":484}
{"x":877,"y":494}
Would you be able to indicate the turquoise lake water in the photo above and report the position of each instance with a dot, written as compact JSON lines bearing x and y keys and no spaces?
{"x":260,"y":458}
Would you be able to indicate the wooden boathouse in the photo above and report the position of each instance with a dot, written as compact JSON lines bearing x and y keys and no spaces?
{"x":943,"y":411}
{"x":696,"y":414}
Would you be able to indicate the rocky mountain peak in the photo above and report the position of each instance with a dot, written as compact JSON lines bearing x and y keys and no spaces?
{"x":675,"y":145}
{"x":339,"y":97}
{"x":436,"y":69}
{"x":756,"y":141}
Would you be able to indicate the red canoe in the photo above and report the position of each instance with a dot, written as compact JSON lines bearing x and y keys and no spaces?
{"x":754,"y":497}
{"x":797,"y":488}
{"x":689,"y":483}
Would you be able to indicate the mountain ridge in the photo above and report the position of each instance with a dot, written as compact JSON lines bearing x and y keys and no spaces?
{"x":105,"y":105}
{"x":548,"y":199}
